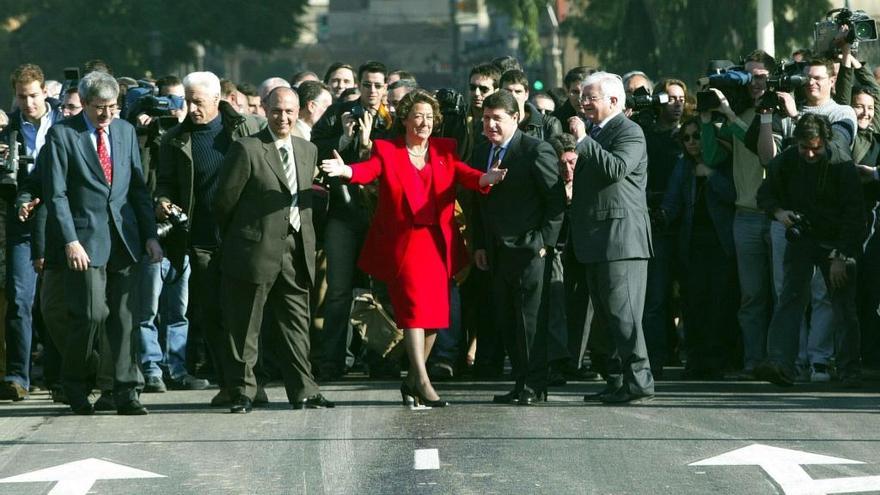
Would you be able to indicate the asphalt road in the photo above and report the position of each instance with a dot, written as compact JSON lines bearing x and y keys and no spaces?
{"x":371,"y":444}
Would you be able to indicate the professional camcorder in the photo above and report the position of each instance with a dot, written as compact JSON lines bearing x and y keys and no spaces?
{"x":13,"y":160}
{"x":789,"y":76}
{"x":731,"y":80}
{"x":145,"y":99}
{"x":453,"y":107}
{"x":861,"y":28}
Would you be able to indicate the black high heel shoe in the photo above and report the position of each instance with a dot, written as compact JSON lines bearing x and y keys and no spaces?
{"x":407,"y":395}
{"x":421,"y":400}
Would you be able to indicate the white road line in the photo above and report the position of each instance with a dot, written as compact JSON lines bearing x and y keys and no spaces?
{"x":426,"y":459}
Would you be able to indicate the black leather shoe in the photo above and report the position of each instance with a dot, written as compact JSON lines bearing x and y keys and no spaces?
{"x":511,"y":397}
{"x":773,"y":373}
{"x":526,"y":398}
{"x":314,"y":402}
{"x":131,"y":408}
{"x":84,"y":409}
{"x":241,"y":405}
{"x":105,"y":402}
{"x":621,"y":396}
{"x":608,"y":390}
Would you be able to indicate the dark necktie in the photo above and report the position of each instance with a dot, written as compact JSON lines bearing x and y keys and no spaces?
{"x":104,"y":155}
{"x":594,"y":131}
{"x":496,"y":156}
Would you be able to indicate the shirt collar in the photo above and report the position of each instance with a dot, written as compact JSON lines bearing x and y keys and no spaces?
{"x":280,"y":143}
{"x":607,"y":119}
{"x":46,"y":118}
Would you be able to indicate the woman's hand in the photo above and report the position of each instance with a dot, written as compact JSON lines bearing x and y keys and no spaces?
{"x":493,"y":176}
{"x":336,"y":167}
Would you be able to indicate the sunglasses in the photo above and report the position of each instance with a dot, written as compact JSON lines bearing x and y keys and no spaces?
{"x":688,"y":137}
{"x":483,"y":89}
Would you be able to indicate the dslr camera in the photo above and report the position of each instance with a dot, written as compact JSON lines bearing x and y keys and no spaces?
{"x":800,"y":229}
{"x":177,"y":220}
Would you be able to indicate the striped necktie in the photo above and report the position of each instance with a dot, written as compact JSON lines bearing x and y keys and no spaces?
{"x":290,"y":174}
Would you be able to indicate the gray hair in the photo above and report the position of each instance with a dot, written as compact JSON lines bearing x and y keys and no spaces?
{"x":98,"y":86}
{"x":610,"y":84}
{"x":637,"y":73}
{"x":207,"y":80}
{"x":268,"y":85}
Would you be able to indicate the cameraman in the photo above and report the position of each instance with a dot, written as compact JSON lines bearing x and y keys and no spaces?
{"x":814,"y":190}
{"x":751,"y":227}
{"x":664,"y":148}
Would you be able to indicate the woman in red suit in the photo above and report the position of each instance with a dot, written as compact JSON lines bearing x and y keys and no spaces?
{"x":413,"y":244}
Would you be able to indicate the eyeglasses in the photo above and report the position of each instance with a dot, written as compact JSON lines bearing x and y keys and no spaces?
{"x":481,"y":88}
{"x":593,"y":99}
{"x":690,"y":137}
{"x":106,"y":108}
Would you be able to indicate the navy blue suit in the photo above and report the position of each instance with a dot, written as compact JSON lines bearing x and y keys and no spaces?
{"x":112,"y":222}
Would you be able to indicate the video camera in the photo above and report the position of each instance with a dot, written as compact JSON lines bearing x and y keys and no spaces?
{"x":644,"y":105}
{"x":731,"y":80}
{"x":145,"y":99}
{"x":788,"y":77}
{"x":861,"y":28}
{"x":13,"y":160}
{"x":453,"y":107}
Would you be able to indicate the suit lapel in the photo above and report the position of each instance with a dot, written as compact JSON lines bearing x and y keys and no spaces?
{"x":273,"y":157}
{"x":408,"y":177}
{"x":117,"y":154}
{"x":88,"y":152}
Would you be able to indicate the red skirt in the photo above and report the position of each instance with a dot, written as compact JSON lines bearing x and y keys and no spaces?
{"x":420,"y":294}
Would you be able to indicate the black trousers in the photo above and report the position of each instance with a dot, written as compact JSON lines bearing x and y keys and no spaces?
{"x":285,"y":301}
{"x":100,"y":299}
{"x":204,"y":292}
{"x":516,"y":297}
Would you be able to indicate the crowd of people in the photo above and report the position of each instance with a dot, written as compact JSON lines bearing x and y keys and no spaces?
{"x":170,"y":234}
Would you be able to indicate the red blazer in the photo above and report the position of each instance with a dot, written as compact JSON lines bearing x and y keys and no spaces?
{"x":392,"y":223}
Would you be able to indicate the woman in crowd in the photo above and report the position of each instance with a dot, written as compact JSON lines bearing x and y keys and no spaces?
{"x":701,"y":192}
{"x":413,"y":244}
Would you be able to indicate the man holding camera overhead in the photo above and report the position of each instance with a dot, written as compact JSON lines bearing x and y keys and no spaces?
{"x":814,"y":190}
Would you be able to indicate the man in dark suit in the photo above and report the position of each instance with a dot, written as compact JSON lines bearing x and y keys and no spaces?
{"x":267,"y":257}
{"x":100,"y":219}
{"x":518,"y":225}
{"x":611,"y":231}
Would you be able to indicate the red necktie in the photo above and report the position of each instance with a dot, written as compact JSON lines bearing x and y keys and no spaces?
{"x":104,"y":156}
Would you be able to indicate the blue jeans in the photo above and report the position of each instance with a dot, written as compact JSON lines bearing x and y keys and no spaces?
{"x":817,"y":337}
{"x":21,"y":289}
{"x":165,"y":295}
{"x":751,"y":235}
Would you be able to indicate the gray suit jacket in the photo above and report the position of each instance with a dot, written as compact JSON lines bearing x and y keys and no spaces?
{"x":253,"y":207}
{"x":81,"y":205}
{"x":609,"y":212}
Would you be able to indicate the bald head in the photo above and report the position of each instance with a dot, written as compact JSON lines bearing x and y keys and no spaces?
{"x":282,"y":110}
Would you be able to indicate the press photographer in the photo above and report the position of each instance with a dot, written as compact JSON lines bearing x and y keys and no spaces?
{"x":814,"y":190}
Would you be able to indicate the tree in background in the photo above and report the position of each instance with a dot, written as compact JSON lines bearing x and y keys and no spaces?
{"x":136,"y":37}
{"x":677,"y":38}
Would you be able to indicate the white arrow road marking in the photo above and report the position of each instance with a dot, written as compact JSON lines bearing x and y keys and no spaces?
{"x":784,"y":466}
{"x":426,"y":459}
{"x":76,"y":478}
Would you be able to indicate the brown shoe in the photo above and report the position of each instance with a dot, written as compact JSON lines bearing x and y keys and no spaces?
{"x":12,"y":391}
